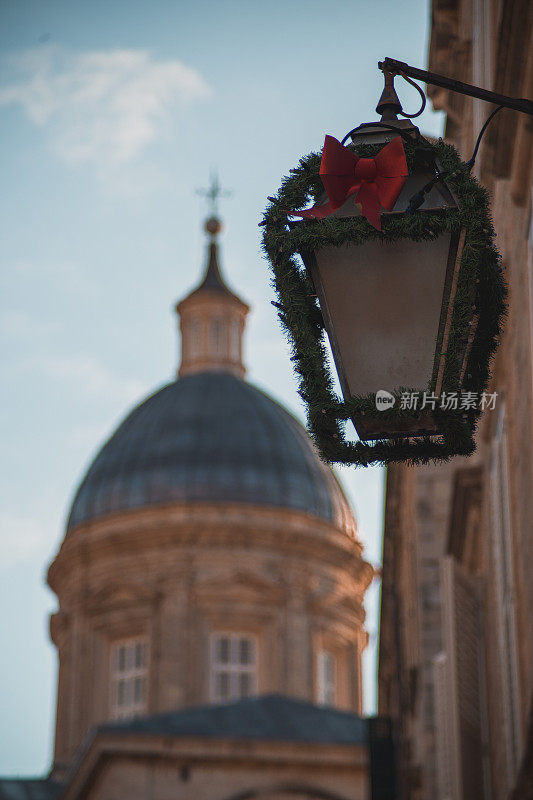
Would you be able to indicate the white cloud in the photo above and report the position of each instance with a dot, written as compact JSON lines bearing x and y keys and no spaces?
{"x":17,"y":324}
{"x":66,"y":276}
{"x":100,"y":107}
{"x":92,"y":377}
{"x":20,"y":538}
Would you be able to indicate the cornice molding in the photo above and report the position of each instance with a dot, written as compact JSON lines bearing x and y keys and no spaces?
{"x":193,"y":528}
{"x":59,"y":627}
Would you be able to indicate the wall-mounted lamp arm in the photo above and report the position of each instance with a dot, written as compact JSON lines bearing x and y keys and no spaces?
{"x":400,"y":67}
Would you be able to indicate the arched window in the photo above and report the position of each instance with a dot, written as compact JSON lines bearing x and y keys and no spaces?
{"x":217,"y":330}
{"x":327,"y":678}
{"x":235,"y":340}
{"x":129,"y":673}
{"x":195,"y":332}
{"x":233,"y":666}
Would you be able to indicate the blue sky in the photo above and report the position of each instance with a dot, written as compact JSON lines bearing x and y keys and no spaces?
{"x":112,"y":115}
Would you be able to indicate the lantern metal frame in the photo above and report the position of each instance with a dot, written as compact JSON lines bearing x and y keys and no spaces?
{"x":475,"y":323}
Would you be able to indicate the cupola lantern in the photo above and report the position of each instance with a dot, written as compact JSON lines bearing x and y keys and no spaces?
{"x":212,"y":319}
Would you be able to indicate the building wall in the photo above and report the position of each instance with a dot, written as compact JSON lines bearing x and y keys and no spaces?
{"x":195,"y":769}
{"x":412,"y":635}
{"x":174,"y":575}
{"x":472,"y":519}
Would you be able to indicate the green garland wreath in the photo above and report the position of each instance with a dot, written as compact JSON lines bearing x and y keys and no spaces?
{"x":481,"y":286}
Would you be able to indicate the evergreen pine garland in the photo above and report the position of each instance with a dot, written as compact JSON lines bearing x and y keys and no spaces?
{"x":481,"y":289}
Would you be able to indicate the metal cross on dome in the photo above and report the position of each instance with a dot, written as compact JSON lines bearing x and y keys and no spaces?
{"x":213,"y":193}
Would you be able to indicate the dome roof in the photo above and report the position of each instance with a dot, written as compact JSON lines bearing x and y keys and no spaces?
{"x":209,"y":437}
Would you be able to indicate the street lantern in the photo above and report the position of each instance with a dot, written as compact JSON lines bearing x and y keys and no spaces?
{"x":402,"y":275}
{"x":387,"y":305}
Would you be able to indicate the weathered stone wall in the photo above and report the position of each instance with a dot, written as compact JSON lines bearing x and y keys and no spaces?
{"x":176,"y":574}
{"x":195,"y":769}
{"x":489,"y":43}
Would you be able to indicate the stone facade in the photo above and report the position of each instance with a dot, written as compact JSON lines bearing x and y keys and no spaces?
{"x":199,"y":769}
{"x":456,"y":649}
{"x":173,"y":576}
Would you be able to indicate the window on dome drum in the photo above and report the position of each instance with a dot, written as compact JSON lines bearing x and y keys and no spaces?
{"x":234,"y":344}
{"x":233,"y":666}
{"x":129,"y":672}
{"x":326,"y":678}
{"x":216,"y":336}
{"x":194,"y":338}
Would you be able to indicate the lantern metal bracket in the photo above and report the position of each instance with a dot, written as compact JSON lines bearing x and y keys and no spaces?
{"x":393,"y":67}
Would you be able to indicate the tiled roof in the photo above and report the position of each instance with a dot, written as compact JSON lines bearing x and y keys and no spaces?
{"x":212,"y":279}
{"x":266,"y":717}
{"x":208,"y":437}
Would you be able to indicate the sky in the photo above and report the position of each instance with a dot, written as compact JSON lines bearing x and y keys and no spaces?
{"x":112,"y":115}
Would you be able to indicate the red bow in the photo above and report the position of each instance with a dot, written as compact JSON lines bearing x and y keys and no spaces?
{"x":375,"y":182}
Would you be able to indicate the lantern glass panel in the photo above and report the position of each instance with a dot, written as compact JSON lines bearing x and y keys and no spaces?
{"x":383,"y":306}
{"x":387,"y":308}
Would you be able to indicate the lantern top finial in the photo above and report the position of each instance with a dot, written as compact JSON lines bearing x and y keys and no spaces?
{"x":389,"y":105}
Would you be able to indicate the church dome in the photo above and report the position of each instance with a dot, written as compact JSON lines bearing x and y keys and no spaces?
{"x":209,"y":437}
